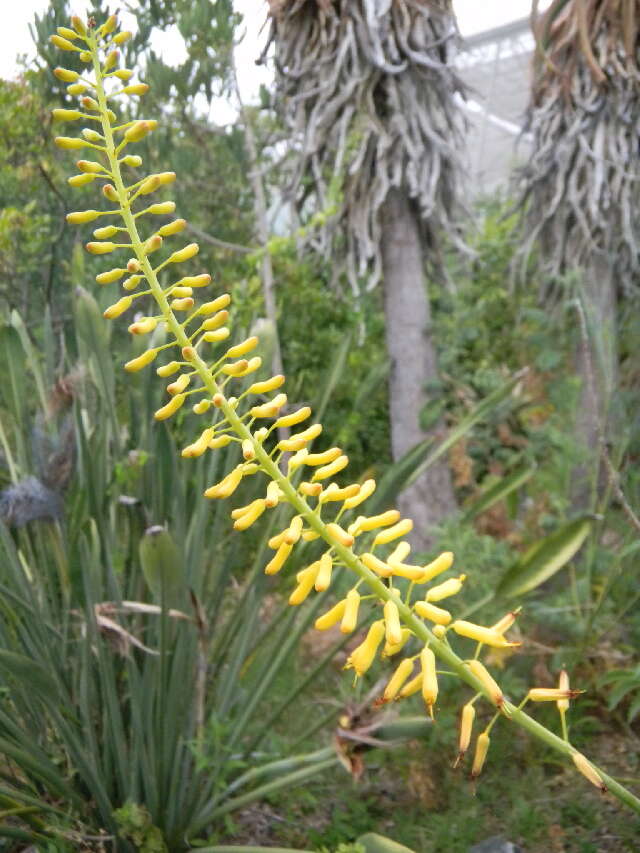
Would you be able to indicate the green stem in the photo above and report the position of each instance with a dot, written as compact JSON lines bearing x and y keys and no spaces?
{"x":299,"y":504}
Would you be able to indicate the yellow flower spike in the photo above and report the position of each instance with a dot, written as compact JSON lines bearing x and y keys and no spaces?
{"x":80,"y":217}
{"x":168,"y":369}
{"x":563,"y":684}
{"x":208,"y":308}
{"x":588,"y":771}
{"x":185,"y":254}
{"x":293,"y":532}
{"x":392,"y":623}
{"x":170,"y":408}
{"x":227,"y":486}
{"x":310,"y":490}
{"x":437,"y":566}
{"x":248,"y":518}
{"x":294,"y":418}
{"x":339,"y":535}
{"x":242,"y":348}
{"x":411,"y":687}
{"x":323,"y":578}
{"x":140,"y":129}
{"x":98,"y":248}
{"x":218,"y":319}
{"x":350,"y":615}
{"x":479,"y":758}
{"x":172,"y":228}
{"x":277,"y":562}
{"x":400,"y":529}
{"x":364,"y":655}
{"x":397,"y":680}
{"x":141,"y":361}
{"x":481,"y":634}
{"x":136,"y":89}
{"x":390,"y":651}
{"x":434,"y":614}
{"x":330,"y":470}
{"x":466,"y":726}
{"x":446,"y":589}
{"x":220,"y":441}
{"x":248,"y":451}
{"x":118,"y":308}
{"x":66,"y":75}
{"x":399,"y":553}
{"x":331,"y":617}
{"x":144,"y":326}
{"x":506,"y":622}
{"x":81,"y":181}
{"x":62,"y":43}
{"x":482,"y":674}
{"x":198,"y":447}
{"x":376,"y":565}
{"x":305,"y":585}
{"x":314,"y":459}
{"x":267,"y":385}
{"x":429,"y":678}
{"x":274,"y":494}
{"x":69,"y":143}
{"x":375,"y":521}
{"x":181,"y":384}
{"x":552,"y":694}
{"x":366,"y":490}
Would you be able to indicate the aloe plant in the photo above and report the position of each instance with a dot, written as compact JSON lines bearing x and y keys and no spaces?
{"x":235,"y":414}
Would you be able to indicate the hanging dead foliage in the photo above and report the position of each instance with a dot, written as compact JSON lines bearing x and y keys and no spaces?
{"x":580,"y":186}
{"x":368,"y":95}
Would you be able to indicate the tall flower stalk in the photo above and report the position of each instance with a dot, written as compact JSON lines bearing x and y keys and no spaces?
{"x":372,"y":549}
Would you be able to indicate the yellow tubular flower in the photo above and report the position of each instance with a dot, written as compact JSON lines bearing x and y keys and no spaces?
{"x":363,"y":656}
{"x":588,"y":771}
{"x":339,"y":535}
{"x":505,"y":623}
{"x":168,"y":369}
{"x":466,"y":727}
{"x":181,"y":383}
{"x":170,"y":409}
{"x":482,"y":748}
{"x":324,"y":458}
{"x":403,"y":570}
{"x":220,"y":441}
{"x":366,"y":490}
{"x":274,"y":494}
{"x":292,"y":533}
{"x":411,"y":687}
{"x":481,"y":634}
{"x":248,"y":451}
{"x":81,"y":217}
{"x":400,"y":529}
{"x":376,"y":565}
{"x":551,"y":694}
{"x":429,"y":678}
{"x":399,"y":553}
{"x":392,"y":623}
{"x":434,"y":614}
{"x":200,"y":446}
{"x":331,"y":617}
{"x":439,"y":631}
{"x":305,"y":585}
{"x":389,"y":650}
{"x":276,"y":563}
{"x":227,"y":486}
{"x":563,"y":684}
{"x":323,"y":578}
{"x":397,"y":680}
{"x":437,"y":566}
{"x":243,"y":348}
{"x":375,"y":521}
{"x":482,"y":674}
{"x":118,"y":308}
{"x":266,"y":386}
{"x":446,"y":589}
{"x":141,"y":361}
{"x":253,"y":513}
{"x":331,"y":469}
{"x":311,"y":490}
{"x":350,"y":615}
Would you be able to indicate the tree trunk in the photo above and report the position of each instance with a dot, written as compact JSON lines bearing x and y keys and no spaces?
{"x":413,"y":363}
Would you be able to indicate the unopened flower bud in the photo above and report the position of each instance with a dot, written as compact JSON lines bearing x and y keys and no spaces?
{"x":69,"y":142}
{"x":100,"y":248}
{"x":105,"y":233}
{"x":482,"y":748}
{"x":350,"y":616}
{"x":171,"y":228}
{"x":141,"y":361}
{"x":185,"y":254}
{"x":66,"y":115}
{"x":124,"y":74}
{"x":80,"y":217}
{"x":133,"y":160}
{"x":111,"y":61}
{"x":170,"y":408}
{"x":109,"y":191}
{"x":62,"y":43}
{"x":122,"y":37}
{"x":118,"y":308}
{"x":66,"y":75}
{"x":110,"y":276}
{"x":136,"y":89}
{"x":76,"y":89}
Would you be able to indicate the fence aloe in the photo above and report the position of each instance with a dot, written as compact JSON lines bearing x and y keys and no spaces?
{"x":211,"y":377}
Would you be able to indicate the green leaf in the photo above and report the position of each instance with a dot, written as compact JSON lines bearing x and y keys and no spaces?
{"x":544,"y":559}
{"x":498,"y":492}
{"x":374,"y":843}
{"x":161,"y":563}
{"x":28,"y":671}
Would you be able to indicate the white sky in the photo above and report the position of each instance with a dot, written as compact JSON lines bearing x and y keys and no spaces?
{"x":15,"y":39}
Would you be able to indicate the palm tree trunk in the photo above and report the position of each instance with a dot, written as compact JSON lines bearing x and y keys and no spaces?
{"x":413,"y":362}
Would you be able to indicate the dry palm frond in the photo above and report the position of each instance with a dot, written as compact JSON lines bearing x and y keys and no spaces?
{"x":581,"y":183}
{"x":368,"y":95}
